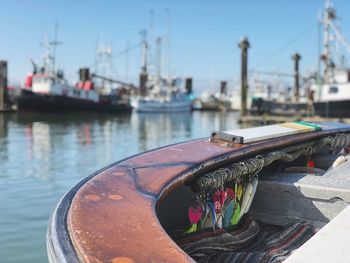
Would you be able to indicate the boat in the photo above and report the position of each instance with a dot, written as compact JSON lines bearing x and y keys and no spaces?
{"x":46,"y":90}
{"x":160,"y":94}
{"x":51,"y":93}
{"x":332,"y":93}
{"x":175,"y":102}
{"x":334,"y":96}
{"x":329,"y":94}
{"x":262,"y":194}
{"x":164,"y":96}
{"x":212,"y":102}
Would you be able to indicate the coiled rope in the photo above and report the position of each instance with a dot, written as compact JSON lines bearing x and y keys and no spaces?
{"x":247,"y":169}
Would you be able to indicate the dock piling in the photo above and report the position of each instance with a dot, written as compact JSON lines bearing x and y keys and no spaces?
{"x":84,"y":74}
{"x":3,"y":86}
{"x":296,"y":58}
{"x":143,"y":81}
{"x":188,"y":85}
{"x":223,"y":87}
{"x":244,"y":45}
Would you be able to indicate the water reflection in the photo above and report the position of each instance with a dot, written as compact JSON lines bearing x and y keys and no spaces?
{"x":156,"y":129}
{"x":4,"y":119}
{"x":43,"y":156}
{"x":3,"y":124}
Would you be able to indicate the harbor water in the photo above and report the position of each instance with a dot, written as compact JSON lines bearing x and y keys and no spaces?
{"x":43,"y":156}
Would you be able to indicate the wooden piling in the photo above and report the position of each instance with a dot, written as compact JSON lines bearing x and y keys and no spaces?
{"x":143,"y":81}
{"x":3,"y":86}
{"x":188,"y":85}
{"x":244,"y":45}
{"x":84,"y":74}
{"x":296,"y":58}
{"x":223,"y":87}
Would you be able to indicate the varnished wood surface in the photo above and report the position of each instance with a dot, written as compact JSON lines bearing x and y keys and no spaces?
{"x":112,"y":216}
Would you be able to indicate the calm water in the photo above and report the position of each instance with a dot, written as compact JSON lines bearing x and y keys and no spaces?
{"x":43,"y":156}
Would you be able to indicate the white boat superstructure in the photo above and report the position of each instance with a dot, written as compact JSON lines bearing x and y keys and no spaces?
{"x":45,"y":84}
{"x":332,"y":90}
{"x":177,"y":102}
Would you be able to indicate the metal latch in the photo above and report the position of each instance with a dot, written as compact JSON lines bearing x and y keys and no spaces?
{"x":227,"y":137}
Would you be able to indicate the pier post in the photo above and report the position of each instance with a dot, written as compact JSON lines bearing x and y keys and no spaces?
{"x":296,"y":57}
{"x":188,"y":85}
{"x":3,"y":85}
{"x":84,"y":74}
{"x":223,"y":87}
{"x":143,"y":81}
{"x":244,"y":45}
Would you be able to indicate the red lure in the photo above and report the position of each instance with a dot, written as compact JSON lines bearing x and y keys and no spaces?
{"x":195,"y":214}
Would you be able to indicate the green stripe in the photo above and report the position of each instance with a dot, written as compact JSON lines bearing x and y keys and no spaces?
{"x":316,"y":127}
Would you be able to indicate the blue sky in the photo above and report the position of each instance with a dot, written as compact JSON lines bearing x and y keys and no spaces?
{"x":204,"y":34}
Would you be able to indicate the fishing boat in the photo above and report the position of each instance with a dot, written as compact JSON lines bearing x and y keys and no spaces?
{"x":215,"y":102}
{"x":332,"y":93}
{"x":174,"y":102}
{"x":46,"y":90}
{"x":263,"y":194}
{"x":49,"y":93}
{"x":212,"y":102}
{"x":160,"y":94}
{"x":329,"y":94}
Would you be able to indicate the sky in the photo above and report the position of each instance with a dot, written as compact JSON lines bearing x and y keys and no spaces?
{"x":204,"y":34}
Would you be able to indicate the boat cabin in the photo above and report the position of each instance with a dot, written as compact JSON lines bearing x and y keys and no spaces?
{"x":46,"y":84}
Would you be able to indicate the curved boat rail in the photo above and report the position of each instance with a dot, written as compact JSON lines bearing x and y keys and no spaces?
{"x":111,"y":215}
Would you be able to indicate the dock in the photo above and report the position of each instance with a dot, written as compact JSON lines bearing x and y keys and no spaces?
{"x":272,"y":119}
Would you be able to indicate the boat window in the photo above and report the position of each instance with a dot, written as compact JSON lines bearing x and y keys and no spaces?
{"x":333,"y":90}
{"x":42,"y":80}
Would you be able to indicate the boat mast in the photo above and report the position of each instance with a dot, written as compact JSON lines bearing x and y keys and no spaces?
{"x":331,"y":33}
{"x":54,"y":45}
{"x":144,"y":52}
{"x":127,"y":61}
{"x":49,"y":58}
{"x":168,"y":46}
{"x":104,"y":66}
{"x":328,"y":16}
{"x":144,"y":73}
{"x":159,"y":61}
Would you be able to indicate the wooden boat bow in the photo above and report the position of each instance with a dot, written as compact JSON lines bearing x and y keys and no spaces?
{"x":111,"y":215}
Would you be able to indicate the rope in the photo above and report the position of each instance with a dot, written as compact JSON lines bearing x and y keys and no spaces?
{"x":247,"y":169}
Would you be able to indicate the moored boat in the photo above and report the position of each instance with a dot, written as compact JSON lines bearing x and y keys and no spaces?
{"x":176,"y":102}
{"x":329,"y":93}
{"x":46,"y":90}
{"x":180,"y":203}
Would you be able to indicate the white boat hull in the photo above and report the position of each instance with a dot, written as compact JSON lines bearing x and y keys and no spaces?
{"x":156,"y":106}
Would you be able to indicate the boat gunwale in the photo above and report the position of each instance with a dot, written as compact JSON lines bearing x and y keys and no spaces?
{"x":65,"y":246}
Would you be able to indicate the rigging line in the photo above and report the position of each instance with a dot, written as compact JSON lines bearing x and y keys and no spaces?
{"x":341,"y":37}
{"x":285,"y":46}
{"x":298,"y":47}
{"x":127,"y":50}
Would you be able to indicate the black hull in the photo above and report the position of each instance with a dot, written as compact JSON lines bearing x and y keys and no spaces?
{"x":260,"y":107}
{"x":333,"y":109}
{"x":29,"y":101}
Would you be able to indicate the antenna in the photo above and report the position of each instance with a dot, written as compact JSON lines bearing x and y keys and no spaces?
{"x":104,"y":64}
{"x":168,"y":44}
{"x":159,"y":60}
{"x":54,"y":45}
{"x":151,"y":37}
{"x":144,"y":52}
{"x":331,"y":34}
{"x":127,"y":61}
{"x":47,"y":53}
